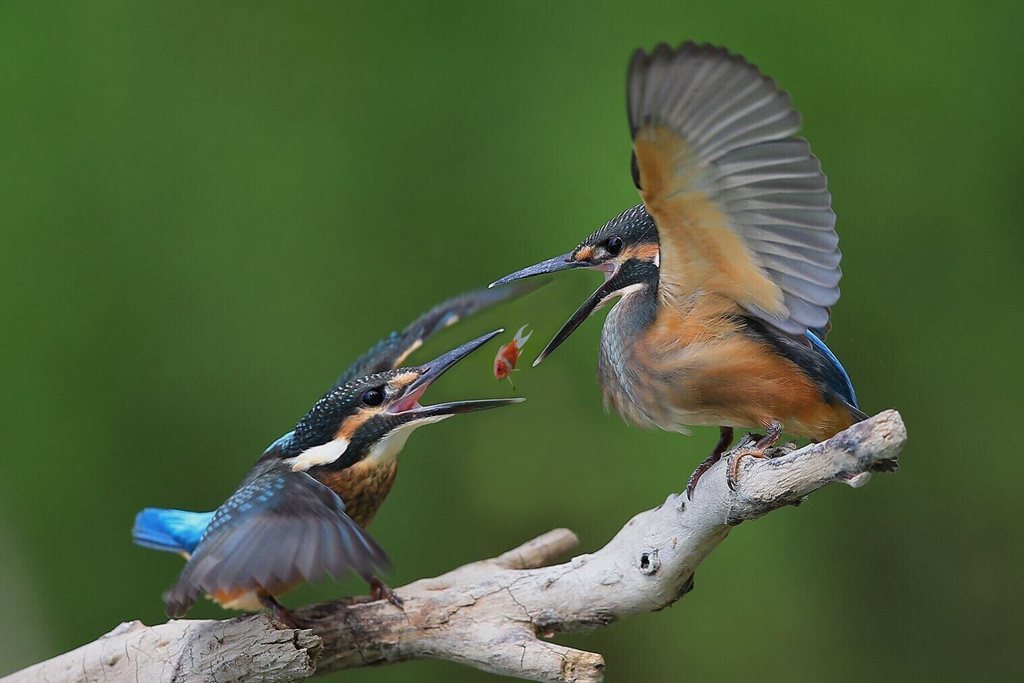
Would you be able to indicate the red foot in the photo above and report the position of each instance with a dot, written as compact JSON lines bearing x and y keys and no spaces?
{"x":380,"y":591}
{"x":770,"y":438}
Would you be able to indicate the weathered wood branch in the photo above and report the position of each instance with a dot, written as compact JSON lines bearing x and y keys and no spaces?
{"x":493,"y":614}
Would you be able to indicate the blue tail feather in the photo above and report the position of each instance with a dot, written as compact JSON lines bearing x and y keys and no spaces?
{"x":173,"y":531}
{"x":844,"y":387}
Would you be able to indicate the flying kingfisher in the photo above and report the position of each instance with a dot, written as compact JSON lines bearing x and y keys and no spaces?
{"x":726,"y":271}
{"x":301,"y":511}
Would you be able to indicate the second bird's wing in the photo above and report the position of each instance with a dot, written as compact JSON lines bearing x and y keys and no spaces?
{"x":278,"y":529}
{"x":390,"y":352}
{"x":741,"y":204}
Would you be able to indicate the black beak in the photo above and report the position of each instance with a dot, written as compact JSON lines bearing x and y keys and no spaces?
{"x":577,"y":318}
{"x":625,"y":274}
{"x":409,"y":403}
{"x":552,"y":265}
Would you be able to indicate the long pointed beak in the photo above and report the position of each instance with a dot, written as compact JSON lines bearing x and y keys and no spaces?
{"x":552,"y":265}
{"x":457,"y":407}
{"x":577,"y":318}
{"x":429,"y":372}
{"x":440,"y":365}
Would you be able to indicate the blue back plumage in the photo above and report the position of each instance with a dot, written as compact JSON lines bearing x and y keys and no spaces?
{"x":281,"y":443}
{"x":842,"y":384}
{"x":174,"y":531}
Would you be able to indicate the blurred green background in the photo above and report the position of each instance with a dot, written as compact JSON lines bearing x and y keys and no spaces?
{"x":209,"y":209}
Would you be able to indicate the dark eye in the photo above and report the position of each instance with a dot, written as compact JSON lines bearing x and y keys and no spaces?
{"x":613,"y":245}
{"x":373,"y":397}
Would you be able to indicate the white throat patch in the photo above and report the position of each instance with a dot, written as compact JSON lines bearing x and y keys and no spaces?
{"x":388,"y":448}
{"x":324,"y":454}
{"x":624,"y":292}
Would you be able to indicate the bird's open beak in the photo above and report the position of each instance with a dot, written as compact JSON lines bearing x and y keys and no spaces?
{"x":408,"y":404}
{"x":552,"y":265}
{"x":616,"y":280}
{"x":555,"y":265}
{"x":600,"y":295}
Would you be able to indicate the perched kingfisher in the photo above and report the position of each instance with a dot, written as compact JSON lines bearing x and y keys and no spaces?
{"x":726,"y":271}
{"x":302,"y":510}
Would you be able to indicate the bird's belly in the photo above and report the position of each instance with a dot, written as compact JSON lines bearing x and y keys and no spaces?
{"x":237,"y":599}
{"x":631,"y":386}
{"x":246,"y":599}
{"x":646,"y":398}
{"x":666,"y":381}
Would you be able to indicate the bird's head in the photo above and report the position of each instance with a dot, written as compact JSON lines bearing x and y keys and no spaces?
{"x":625,"y":249}
{"x":372,"y":416}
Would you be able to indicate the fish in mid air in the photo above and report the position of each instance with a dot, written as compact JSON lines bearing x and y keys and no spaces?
{"x":508,"y":356}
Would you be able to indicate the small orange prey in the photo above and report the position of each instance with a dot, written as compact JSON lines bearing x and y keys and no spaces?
{"x":508,"y":356}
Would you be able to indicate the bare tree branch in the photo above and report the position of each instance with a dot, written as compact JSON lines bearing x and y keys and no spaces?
{"x":494,"y":614}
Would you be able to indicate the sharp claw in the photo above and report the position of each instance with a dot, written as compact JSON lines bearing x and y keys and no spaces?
{"x":279,"y":612}
{"x":732,"y":472}
{"x":779,"y":451}
{"x":724,"y":441}
{"x":757,"y":450}
{"x":380,"y":591}
{"x":286,"y":618}
{"x":691,"y":484}
{"x":735,"y":459}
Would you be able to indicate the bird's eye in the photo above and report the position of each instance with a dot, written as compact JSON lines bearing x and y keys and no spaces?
{"x":613,"y":245}
{"x":373,"y":397}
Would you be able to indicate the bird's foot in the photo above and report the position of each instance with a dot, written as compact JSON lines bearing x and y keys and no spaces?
{"x":699,"y":472}
{"x":381,"y":591}
{"x":279,"y":612}
{"x":734,"y":464}
{"x":758,"y":450}
{"x":724,"y":441}
{"x":781,"y":450}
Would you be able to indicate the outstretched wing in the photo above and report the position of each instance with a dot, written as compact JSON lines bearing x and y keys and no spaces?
{"x":742,"y":206}
{"x":390,"y":352}
{"x":278,"y":529}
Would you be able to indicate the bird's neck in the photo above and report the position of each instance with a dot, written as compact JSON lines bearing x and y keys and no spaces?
{"x":637,"y":309}
{"x":386,"y":449}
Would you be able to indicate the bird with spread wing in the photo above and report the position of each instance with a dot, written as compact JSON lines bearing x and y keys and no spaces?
{"x":302,"y":510}
{"x":726,"y":271}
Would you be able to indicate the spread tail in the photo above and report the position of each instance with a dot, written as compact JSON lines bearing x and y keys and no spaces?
{"x":174,"y":531}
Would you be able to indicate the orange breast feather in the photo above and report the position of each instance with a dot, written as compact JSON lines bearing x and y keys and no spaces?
{"x":723,"y":377}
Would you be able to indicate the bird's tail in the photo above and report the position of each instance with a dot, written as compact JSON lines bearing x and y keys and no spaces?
{"x":856,"y":414}
{"x":174,"y":531}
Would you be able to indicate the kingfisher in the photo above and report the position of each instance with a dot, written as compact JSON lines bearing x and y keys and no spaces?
{"x":726,"y":272}
{"x":301,"y":512}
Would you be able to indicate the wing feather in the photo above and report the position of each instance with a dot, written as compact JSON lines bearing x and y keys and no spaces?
{"x":278,"y":529}
{"x":742,"y":206}
{"x":391,"y":352}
